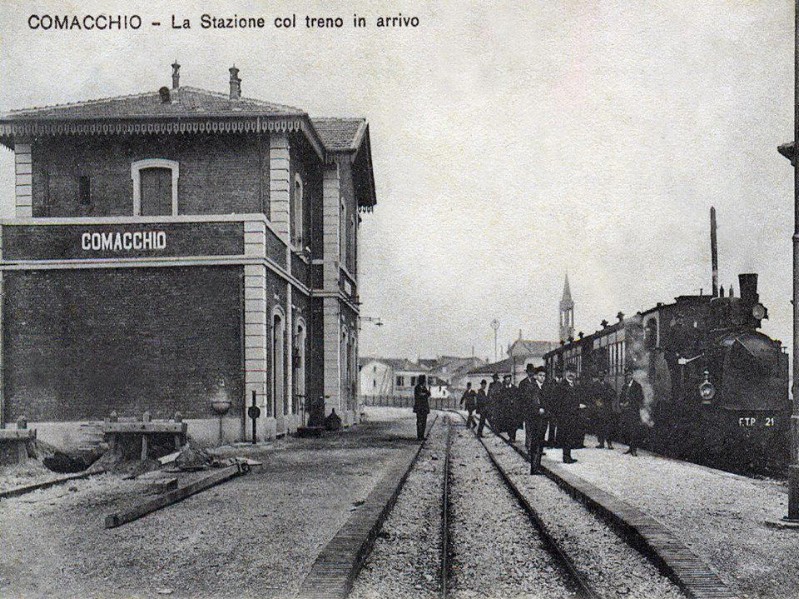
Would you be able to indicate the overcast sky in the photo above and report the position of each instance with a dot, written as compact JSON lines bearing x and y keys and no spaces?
{"x":511,"y":144}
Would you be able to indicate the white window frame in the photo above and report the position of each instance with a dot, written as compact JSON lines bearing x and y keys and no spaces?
{"x":278,"y":369}
{"x":135,"y":174}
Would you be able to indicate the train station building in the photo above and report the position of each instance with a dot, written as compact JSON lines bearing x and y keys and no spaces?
{"x":179,"y":248}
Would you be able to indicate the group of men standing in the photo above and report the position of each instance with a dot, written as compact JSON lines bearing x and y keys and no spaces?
{"x":558,"y":412}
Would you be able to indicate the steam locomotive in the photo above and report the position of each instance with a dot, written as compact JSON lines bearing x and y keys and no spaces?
{"x":716,"y":388}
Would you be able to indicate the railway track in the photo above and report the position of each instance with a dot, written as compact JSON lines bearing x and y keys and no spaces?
{"x":577,"y":586}
{"x":466,"y":526}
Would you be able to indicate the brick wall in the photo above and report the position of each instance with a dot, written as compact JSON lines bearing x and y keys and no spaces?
{"x":80,"y":343}
{"x":219,"y":174}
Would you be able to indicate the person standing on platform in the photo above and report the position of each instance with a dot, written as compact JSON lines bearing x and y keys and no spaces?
{"x":604,"y":401}
{"x":508,"y":407}
{"x":553,"y":398}
{"x":421,"y":406}
{"x":469,"y":399}
{"x":494,"y":389}
{"x":482,"y":407}
{"x":530,"y":392}
{"x":631,"y":400}
{"x":569,"y":424}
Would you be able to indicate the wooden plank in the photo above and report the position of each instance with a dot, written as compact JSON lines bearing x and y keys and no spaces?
{"x":144,"y":427}
{"x":149,"y":506}
{"x":22,"y":490}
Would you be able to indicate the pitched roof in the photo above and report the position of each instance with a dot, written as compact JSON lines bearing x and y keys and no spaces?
{"x":340,"y":134}
{"x":400,"y":364}
{"x":190,"y":102}
{"x":533,"y":348}
{"x":501,"y":367}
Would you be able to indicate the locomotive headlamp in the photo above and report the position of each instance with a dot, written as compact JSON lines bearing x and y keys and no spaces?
{"x":707,"y":390}
{"x":759,"y":311}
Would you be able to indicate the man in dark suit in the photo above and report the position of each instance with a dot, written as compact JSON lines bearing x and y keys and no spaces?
{"x":553,"y":398}
{"x":569,"y":425}
{"x":631,"y":400}
{"x":507,"y":409}
{"x":604,"y":400}
{"x":421,"y":406}
{"x":531,"y":392}
{"x":469,"y":399}
{"x":483,"y":407}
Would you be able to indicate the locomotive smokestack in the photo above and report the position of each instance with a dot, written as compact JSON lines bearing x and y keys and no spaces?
{"x":747,"y":286}
{"x":714,"y":254}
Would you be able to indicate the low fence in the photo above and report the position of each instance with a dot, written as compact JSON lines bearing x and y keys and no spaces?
{"x":400,"y":401}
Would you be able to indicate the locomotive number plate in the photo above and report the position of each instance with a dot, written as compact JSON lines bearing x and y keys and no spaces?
{"x":751,"y":421}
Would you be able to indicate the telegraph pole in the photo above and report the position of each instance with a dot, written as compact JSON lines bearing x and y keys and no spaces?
{"x":790,"y":152}
{"x":793,"y":474}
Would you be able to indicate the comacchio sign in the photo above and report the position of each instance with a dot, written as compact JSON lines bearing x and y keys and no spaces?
{"x":121,"y":240}
{"x":129,"y":240}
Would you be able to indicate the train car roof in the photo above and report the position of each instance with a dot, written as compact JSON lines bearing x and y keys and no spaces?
{"x":612,"y":328}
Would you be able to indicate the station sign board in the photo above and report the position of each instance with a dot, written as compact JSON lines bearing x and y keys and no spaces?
{"x":125,"y":240}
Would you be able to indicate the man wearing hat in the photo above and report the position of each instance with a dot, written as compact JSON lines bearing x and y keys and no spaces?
{"x":631,"y":400}
{"x":494,"y":390}
{"x":531,"y":392}
{"x":421,"y":406}
{"x":604,"y":399}
{"x":553,"y":398}
{"x":569,"y":425}
{"x":482,"y":407}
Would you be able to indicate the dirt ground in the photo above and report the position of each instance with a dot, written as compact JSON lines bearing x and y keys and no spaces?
{"x":253,"y":536}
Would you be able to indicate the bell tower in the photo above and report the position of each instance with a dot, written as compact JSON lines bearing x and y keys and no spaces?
{"x":566,"y":327}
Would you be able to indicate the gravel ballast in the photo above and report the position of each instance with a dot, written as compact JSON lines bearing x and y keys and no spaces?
{"x":607,"y":562}
{"x":718,"y":515}
{"x":406,"y":556}
{"x":497,"y":551}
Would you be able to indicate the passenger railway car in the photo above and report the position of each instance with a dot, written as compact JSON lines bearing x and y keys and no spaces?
{"x":716,"y":388}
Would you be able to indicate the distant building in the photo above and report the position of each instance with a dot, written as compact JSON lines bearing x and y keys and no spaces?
{"x":393,"y":377}
{"x":525,"y":351}
{"x":397,"y":377}
{"x":475,"y":375}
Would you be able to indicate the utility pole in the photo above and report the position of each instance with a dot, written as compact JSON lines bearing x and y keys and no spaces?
{"x":495,"y":326}
{"x":790,"y":152}
{"x":793,"y":484}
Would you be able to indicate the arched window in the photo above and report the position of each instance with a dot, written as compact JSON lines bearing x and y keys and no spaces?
{"x":155,"y":187}
{"x":297,"y":237}
{"x":300,"y":335}
{"x":279,"y":400}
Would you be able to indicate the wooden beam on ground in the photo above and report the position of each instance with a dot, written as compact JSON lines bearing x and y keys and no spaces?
{"x":151,"y":505}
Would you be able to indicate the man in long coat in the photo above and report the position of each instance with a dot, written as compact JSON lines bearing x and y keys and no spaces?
{"x":531,"y":391}
{"x":604,"y":416}
{"x":483,"y":407}
{"x":469,"y":400}
{"x":631,"y":400}
{"x":421,"y":406}
{"x":553,"y":398}
{"x":569,"y":423}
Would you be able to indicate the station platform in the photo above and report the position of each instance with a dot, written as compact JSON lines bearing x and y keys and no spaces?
{"x":721,"y":517}
{"x":257,"y":535}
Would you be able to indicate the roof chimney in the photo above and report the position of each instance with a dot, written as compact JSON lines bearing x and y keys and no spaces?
{"x":235,"y":83}
{"x":175,"y":75}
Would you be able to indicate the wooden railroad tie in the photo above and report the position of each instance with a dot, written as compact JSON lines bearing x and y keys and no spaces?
{"x":151,"y":505}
